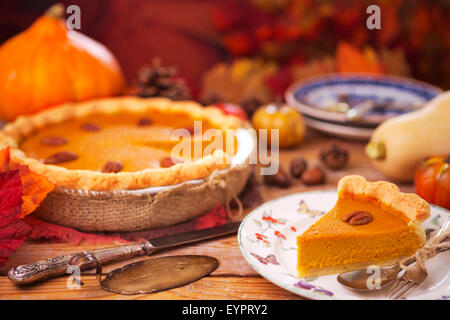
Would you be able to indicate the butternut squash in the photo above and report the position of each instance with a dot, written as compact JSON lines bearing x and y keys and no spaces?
{"x":399,"y":144}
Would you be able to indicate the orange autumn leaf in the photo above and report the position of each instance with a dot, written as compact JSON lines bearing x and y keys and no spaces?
{"x":4,"y":160}
{"x":350,"y":59}
{"x":34,"y":187}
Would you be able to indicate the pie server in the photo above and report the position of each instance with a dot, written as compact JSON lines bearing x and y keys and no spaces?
{"x":56,"y":266}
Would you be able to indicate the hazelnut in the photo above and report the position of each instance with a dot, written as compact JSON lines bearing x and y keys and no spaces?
{"x":313,"y":176}
{"x":298,"y":166}
{"x":280,"y":179}
{"x":335,"y":157}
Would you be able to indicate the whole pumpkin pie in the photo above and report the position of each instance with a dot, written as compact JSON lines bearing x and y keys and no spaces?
{"x":123,"y":143}
{"x":372,"y":223}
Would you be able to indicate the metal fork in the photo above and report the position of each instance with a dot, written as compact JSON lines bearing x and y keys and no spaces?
{"x":415,"y":276}
{"x":407,"y":283}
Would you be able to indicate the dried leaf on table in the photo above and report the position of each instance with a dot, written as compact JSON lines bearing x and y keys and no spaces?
{"x":214,"y":218}
{"x":34,"y":187}
{"x":21,"y":192}
{"x":13,"y":231}
{"x":49,"y":231}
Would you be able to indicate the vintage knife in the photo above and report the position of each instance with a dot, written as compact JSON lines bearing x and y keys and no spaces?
{"x":52,"y":267}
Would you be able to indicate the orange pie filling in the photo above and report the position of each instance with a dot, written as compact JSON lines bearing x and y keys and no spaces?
{"x":333,"y":244}
{"x":125,"y":142}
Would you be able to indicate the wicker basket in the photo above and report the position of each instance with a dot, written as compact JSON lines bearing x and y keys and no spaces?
{"x":121,"y":211}
{"x":149,"y":208}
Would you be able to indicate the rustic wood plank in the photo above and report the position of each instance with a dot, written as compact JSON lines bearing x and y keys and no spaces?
{"x":218,"y":288}
{"x":225,"y":249}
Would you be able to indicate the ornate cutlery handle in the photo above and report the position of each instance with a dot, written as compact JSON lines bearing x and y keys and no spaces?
{"x":52,"y":267}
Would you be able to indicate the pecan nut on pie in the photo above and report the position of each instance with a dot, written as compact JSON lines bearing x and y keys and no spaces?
{"x":123,"y":143}
{"x":372,"y":223}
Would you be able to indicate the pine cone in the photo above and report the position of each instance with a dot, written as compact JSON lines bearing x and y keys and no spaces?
{"x":156,"y":80}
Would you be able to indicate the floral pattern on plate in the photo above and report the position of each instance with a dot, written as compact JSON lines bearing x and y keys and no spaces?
{"x":267,"y":239}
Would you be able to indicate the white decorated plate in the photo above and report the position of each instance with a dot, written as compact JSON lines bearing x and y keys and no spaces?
{"x":336,"y":130}
{"x":267,"y":239}
{"x":398,"y":95}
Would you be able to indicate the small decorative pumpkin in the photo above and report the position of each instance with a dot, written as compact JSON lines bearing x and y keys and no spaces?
{"x":286,"y":119}
{"x":49,"y":64}
{"x":432,"y":180}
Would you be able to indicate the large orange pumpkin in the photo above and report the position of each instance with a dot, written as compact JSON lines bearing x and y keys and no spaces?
{"x":49,"y":64}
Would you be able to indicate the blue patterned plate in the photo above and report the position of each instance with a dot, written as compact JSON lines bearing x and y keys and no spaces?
{"x":392,"y":96}
{"x":267,"y":239}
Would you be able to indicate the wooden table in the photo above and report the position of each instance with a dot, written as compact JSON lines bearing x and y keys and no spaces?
{"x":233,"y":279}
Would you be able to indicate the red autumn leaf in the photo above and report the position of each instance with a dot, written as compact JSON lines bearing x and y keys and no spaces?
{"x":13,"y":231}
{"x":34,"y":187}
{"x":42,"y":230}
{"x":215,"y":217}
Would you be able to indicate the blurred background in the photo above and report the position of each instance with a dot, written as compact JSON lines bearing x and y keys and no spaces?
{"x":280,"y":41}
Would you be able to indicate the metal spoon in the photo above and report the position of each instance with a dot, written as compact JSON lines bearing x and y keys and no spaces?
{"x":352,"y":113}
{"x":358,"y":111}
{"x":359,"y":279}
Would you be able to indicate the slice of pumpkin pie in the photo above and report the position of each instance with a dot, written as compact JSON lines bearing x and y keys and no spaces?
{"x":372,"y":223}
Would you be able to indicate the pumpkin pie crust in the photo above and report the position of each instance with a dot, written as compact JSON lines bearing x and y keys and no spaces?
{"x":21,"y":137}
{"x":390,"y":229}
